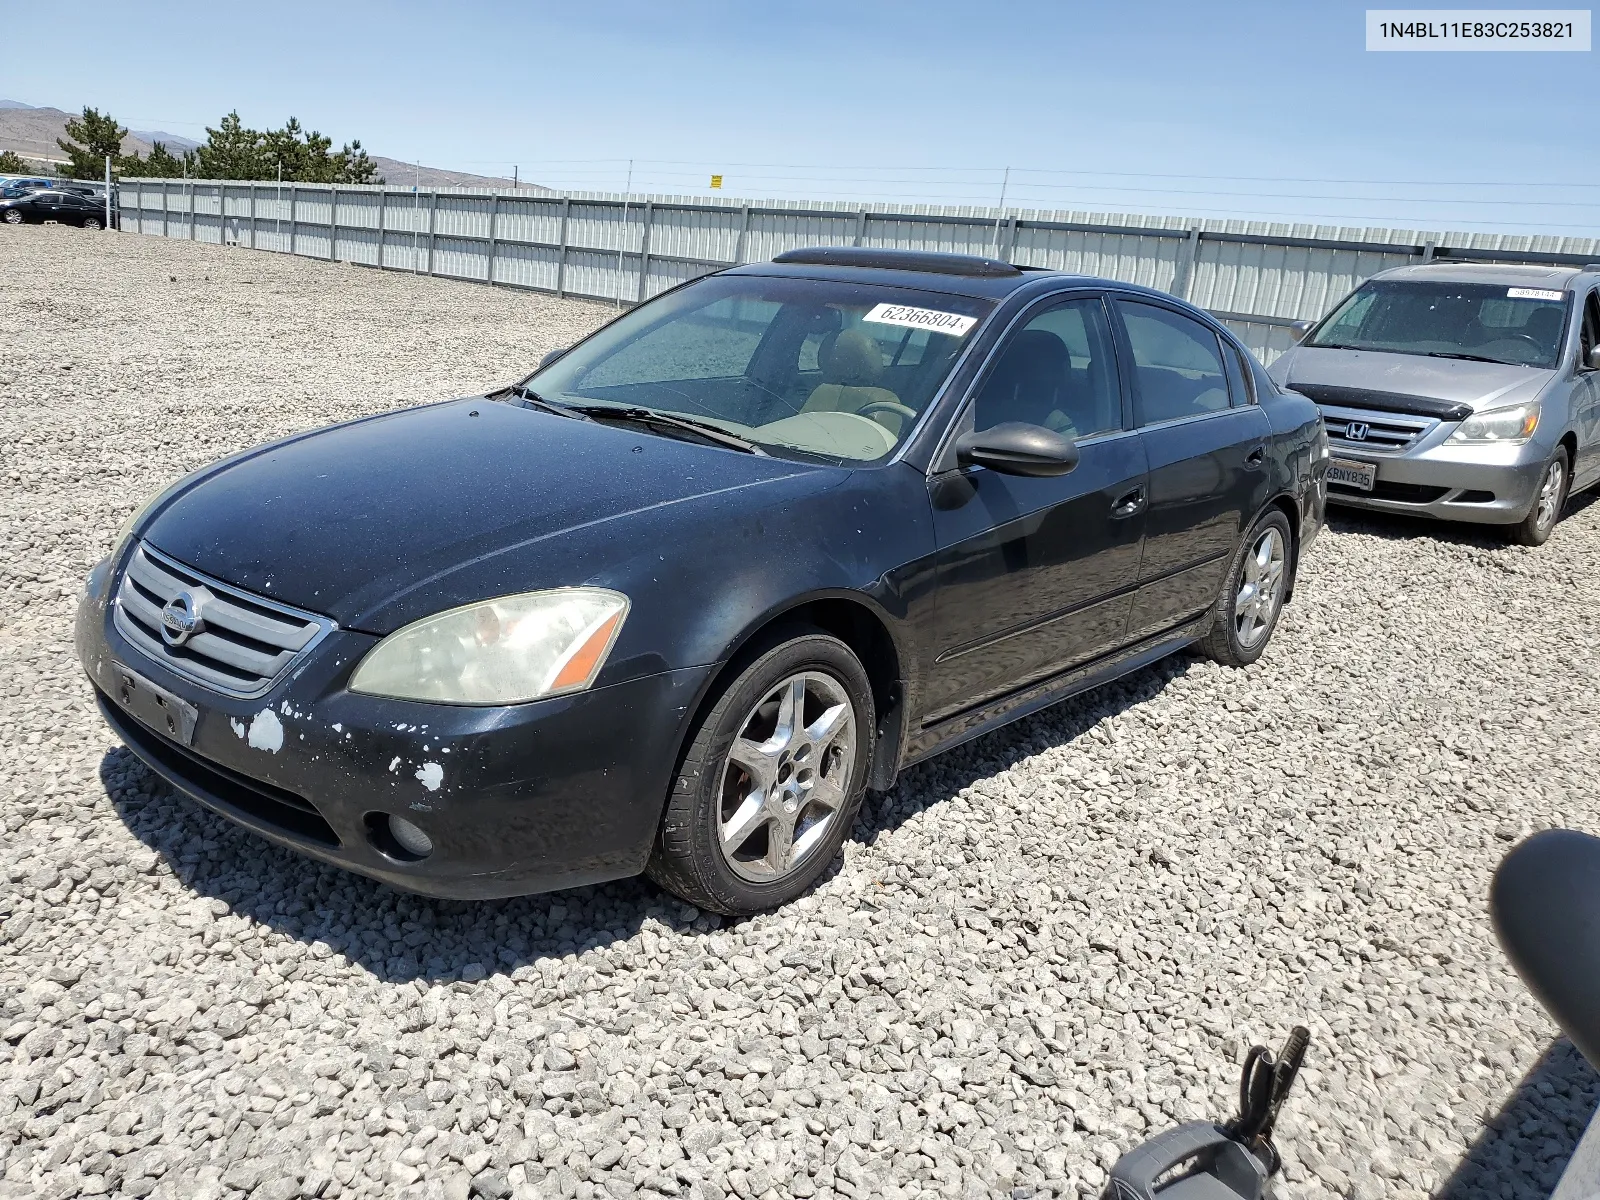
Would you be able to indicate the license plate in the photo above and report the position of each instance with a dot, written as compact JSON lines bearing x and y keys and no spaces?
{"x":154,"y":706}
{"x":1354,"y":474}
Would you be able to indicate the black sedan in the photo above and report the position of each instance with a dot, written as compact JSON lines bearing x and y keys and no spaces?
{"x":674,"y":602}
{"x":20,"y":206}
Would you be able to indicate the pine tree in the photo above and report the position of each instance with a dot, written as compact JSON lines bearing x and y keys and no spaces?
{"x":11,"y":163}
{"x":160,"y":163}
{"x":100,"y":136}
{"x":232,"y":152}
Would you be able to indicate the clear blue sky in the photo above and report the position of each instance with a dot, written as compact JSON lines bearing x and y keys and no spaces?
{"x":1161,"y":106}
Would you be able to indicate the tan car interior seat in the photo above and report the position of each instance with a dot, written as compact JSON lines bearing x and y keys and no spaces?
{"x":851,"y":366}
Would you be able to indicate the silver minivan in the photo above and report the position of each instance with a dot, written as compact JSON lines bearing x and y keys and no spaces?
{"x":1464,"y":392}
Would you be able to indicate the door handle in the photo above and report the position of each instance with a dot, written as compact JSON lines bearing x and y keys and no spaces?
{"x":1129,"y":505}
{"x":1256,"y":457}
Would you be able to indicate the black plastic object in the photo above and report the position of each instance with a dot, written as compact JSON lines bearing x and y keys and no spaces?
{"x":1545,"y":903}
{"x":1017,"y":448}
{"x":1196,"y":1161}
{"x":900,"y":260}
{"x":1203,"y":1161}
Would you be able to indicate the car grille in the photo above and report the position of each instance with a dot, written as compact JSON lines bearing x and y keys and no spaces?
{"x":1379,"y":432}
{"x":244,"y":644}
{"x":1400,"y":493}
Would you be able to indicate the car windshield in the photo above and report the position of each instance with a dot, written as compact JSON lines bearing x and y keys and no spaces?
{"x":801,"y":368}
{"x":1496,"y":322}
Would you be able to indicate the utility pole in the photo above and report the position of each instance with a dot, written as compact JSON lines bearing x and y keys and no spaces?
{"x":1005,"y":182}
{"x":622,"y":236}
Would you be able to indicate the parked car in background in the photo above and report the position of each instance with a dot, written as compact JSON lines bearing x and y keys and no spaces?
{"x":689,"y":589}
{"x":53,"y":204}
{"x":1458,"y":391}
{"x":27,"y":181}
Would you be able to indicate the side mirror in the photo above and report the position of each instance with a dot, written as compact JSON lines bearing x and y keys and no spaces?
{"x":1015,"y":448}
{"x":1594,"y":359}
{"x":1299,"y":329}
{"x":552,"y":356}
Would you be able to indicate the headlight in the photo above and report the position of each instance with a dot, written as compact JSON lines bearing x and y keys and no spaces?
{"x":504,"y":651}
{"x":1512,"y":426}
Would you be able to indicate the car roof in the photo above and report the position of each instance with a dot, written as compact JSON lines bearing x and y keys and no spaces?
{"x":1507,"y":274}
{"x":953,"y":274}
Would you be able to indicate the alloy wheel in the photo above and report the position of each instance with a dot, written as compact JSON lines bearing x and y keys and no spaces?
{"x":1555,"y":478}
{"x":13,"y":217}
{"x":1260,"y":589}
{"x":785,"y":777}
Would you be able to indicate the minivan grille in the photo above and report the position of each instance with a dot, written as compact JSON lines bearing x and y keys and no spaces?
{"x":243,"y":643}
{"x":1384,"y":432}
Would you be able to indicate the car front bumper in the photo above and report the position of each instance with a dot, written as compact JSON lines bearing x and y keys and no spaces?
{"x":1489,"y":485}
{"x":519,"y":799}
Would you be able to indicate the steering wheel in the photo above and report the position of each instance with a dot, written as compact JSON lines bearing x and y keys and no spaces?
{"x":891,"y":406}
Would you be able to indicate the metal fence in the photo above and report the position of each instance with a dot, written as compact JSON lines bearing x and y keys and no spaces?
{"x":1260,"y":277}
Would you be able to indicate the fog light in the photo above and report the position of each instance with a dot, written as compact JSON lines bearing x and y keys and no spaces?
{"x":410,"y":839}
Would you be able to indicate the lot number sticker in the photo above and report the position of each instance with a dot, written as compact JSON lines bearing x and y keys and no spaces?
{"x":921,"y":318}
{"x":1532,"y":294}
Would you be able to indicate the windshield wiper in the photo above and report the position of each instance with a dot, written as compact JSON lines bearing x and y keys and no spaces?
{"x":532,"y":398}
{"x":1333,"y":346}
{"x":1468,"y":357}
{"x":661,"y":420}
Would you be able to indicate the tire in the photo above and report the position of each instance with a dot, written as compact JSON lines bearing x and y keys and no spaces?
{"x":1247,"y":610}
{"x":92,"y":223}
{"x":13,"y":217}
{"x":721,"y":844}
{"x":1554,"y":484}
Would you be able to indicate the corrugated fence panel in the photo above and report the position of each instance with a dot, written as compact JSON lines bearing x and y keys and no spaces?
{"x":1258,"y":274}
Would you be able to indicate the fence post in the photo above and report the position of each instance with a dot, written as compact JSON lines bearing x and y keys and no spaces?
{"x":253,"y":245}
{"x":191,"y":212}
{"x":644,"y":252}
{"x":1187,"y":256}
{"x":433,"y":224}
{"x":1427,"y":251}
{"x":494,"y":215}
{"x":1009,"y":240}
{"x":744,"y":236}
{"x":561,"y":247}
{"x":166,"y":203}
{"x":333,"y":223}
{"x":861,"y":226}
{"x":383,"y":201}
{"x":294,"y":192}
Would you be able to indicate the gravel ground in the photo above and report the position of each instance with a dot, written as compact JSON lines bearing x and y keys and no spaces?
{"x":1038,"y":948}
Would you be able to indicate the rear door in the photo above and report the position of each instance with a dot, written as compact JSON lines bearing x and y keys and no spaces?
{"x":1205,"y":439}
{"x":1035,"y":576}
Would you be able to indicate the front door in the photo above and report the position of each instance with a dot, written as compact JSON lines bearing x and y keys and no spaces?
{"x":1036,"y":575}
{"x":1586,"y":398}
{"x":1206,"y":441}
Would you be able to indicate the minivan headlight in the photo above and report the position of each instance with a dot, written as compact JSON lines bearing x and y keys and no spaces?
{"x":1512,"y":426}
{"x":505,"y":651}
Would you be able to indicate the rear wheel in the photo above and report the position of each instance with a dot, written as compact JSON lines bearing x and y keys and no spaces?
{"x":771,"y":782}
{"x":1535,"y":529}
{"x":92,"y":223}
{"x":1247,"y":611}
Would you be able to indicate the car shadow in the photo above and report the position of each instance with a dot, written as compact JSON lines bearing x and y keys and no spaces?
{"x":1400,"y":527}
{"x":1522,"y":1151}
{"x":401,"y":937}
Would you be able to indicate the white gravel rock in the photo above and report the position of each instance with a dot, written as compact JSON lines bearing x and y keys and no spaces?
{"x":1038,"y":949}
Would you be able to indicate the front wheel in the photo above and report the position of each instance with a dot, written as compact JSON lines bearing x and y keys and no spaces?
{"x":771,"y":782}
{"x":1247,"y":611}
{"x":92,"y":223}
{"x":13,"y":217}
{"x":1535,"y":529}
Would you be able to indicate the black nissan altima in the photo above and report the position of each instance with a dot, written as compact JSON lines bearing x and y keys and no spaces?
{"x":676,"y":600}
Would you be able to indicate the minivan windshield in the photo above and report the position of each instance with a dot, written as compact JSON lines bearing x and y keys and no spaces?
{"x":1494,"y":322}
{"x":813,"y":369}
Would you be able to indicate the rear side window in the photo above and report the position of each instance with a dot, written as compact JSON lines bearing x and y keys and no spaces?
{"x":1240,"y":384}
{"x":1177,"y":364}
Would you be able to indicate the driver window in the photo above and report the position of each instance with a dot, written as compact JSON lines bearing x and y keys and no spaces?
{"x":1057,"y":371}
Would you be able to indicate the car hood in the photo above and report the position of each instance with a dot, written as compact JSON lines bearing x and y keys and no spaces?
{"x":1457,"y":380}
{"x":391,"y":518}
